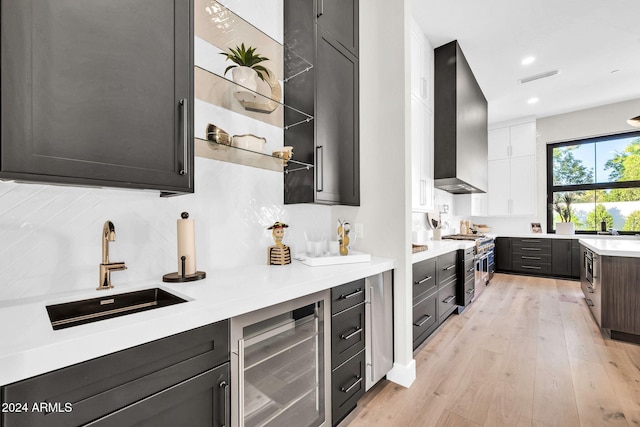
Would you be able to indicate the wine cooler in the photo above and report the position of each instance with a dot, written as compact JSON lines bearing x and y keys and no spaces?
{"x":280,"y":364}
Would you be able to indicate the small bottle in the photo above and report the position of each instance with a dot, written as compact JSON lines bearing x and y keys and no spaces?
{"x":463,"y":228}
{"x":603,"y":226}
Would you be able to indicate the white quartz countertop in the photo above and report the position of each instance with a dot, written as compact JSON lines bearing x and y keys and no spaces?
{"x":613,"y":246}
{"x":440,"y":247}
{"x":31,"y":347}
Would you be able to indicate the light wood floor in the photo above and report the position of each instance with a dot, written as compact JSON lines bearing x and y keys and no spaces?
{"x":526,"y":353}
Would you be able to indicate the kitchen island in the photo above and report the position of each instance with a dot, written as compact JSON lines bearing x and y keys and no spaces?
{"x":609,"y":279}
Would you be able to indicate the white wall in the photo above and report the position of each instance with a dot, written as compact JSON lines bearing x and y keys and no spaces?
{"x":50,"y":235}
{"x":385,"y":163}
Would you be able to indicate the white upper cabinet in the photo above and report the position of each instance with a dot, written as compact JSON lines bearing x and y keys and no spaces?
{"x":512,"y":170}
{"x":421,"y":66}
{"x":512,"y":141}
{"x":421,"y":121}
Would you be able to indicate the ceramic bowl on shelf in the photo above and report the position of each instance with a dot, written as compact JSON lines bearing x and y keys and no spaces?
{"x":285,"y":153}
{"x":217,"y":135}
{"x":248,"y":142}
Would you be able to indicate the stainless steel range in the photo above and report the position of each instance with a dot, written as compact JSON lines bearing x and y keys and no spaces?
{"x":484,"y":258}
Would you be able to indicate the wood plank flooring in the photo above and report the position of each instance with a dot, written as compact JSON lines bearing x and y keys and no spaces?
{"x":526,"y":353}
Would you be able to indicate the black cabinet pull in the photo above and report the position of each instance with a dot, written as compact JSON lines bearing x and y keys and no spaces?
{"x":419,"y":282}
{"x":449,"y":299}
{"x":532,"y":267}
{"x":352,"y":294}
{"x":449,"y":268}
{"x":424,"y":319}
{"x":319,"y":166}
{"x":185,"y":136}
{"x":351,"y":335}
{"x":348,"y":389}
{"x":225,"y":388}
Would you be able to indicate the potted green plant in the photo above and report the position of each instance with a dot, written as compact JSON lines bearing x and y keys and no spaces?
{"x":247,"y":65}
{"x":562,"y":206}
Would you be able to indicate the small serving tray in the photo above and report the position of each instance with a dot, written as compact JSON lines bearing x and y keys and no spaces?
{"x":334,"y":259}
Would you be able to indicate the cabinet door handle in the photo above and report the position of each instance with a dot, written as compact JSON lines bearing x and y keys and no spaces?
{"x":470,"y":291}
{"x":531,"y":241}
{"x":532,"y":249}
{"x":320,"y":11}
{"x":532,"y":267}
{"x":419,"y":282}
{"x":423,"y":192}
{"x":352,"y":294}
{"x":319,"y":166}
{"x":471,"y":269}
{"x":449,"y":268}
{"x":351,"y":335}
{"x":185,"y":135}
{"x":449,"y":299}
{"x":531,"y":257}
{"x":424,"y":319}
{"x":348,"y":389}
{"x":225,"y":388}
{"x":589,"y":302}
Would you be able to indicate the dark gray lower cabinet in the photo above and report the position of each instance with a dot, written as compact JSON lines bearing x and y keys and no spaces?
{"x":347,"y":348}
{"x":538,"y":256}
{"x":98,"y":93}
{"x":466,"y":276}
{"x":435,"y":293}
{"x":179,"y":380}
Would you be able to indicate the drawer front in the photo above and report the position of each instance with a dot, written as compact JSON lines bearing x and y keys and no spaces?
{"x":425,"y":318}
{"x":347,"y":295}
{"x":446,"y":267}
{"x":347,"y":386}
{"x":424,"y":278}
{"x":469,"y":270}
{"x":347,"y":334}
{"x":533,"y":258}
{"x":531,"y":245}
{"x":100,"y":386}
{"x":531,"y":267}
{"x":446,"y":300}
{"x":469,"y":253}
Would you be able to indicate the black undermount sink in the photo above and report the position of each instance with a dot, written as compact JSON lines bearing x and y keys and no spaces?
{"x":76,"y":313}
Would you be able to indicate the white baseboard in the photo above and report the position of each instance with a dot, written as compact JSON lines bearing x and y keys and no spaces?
{"x":403,"y":375}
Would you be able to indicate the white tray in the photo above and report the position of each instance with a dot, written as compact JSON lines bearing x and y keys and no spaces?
{"x":334,"y":259}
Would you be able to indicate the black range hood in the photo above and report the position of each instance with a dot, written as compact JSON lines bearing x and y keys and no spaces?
{"x":460,"y":124}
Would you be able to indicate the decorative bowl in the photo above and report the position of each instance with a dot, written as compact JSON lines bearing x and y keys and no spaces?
{"x":248,"y":142}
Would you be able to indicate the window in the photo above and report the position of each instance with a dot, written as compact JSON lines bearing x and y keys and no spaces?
{"x":595,"y":180}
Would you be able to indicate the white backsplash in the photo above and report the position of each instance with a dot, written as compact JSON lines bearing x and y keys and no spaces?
{"x":50,"y":235}
{"x":450,"y":223}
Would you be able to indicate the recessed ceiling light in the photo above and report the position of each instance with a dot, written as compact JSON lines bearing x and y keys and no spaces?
{"x":532,"y":100}
{"x":528,"y":60}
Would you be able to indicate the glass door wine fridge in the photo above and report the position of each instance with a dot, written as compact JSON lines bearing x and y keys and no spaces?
{"x":280,"y":364}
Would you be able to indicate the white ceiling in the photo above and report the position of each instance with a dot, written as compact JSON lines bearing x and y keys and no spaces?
{"x":586,"y":40}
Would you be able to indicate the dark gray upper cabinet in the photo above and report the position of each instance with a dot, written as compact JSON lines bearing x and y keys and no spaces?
{"x":331,"y":87}
{"x":98,"y":93}
{"x":337,"y":123}
{"x":339,"y":19}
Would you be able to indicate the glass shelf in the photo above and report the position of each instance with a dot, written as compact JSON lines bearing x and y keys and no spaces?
{"x":241,"y":156}
{"x":214,"y":89}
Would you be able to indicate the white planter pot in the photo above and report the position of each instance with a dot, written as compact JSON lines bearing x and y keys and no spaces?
{"x":565,"y":228}
{"x":245,"y":76}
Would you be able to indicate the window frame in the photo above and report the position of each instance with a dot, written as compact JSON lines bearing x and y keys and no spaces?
{"x":582,"y":187}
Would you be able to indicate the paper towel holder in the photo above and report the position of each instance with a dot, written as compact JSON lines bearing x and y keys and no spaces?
{"x":177,"y":277}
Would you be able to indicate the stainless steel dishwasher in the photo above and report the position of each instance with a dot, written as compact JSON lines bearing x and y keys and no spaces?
{"x":280,"y":364}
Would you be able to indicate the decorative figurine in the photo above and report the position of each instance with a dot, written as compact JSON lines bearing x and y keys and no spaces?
{"x":343,"y":236}
{"x":279,"y":254}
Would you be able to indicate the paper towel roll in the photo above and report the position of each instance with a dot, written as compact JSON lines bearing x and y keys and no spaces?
{"x":186,"y":244}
